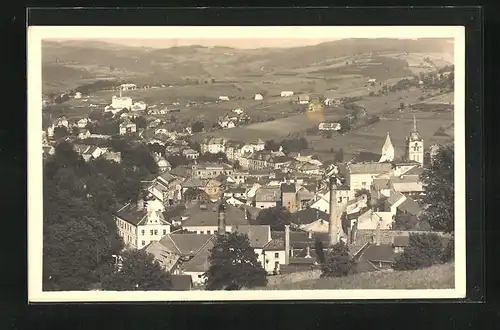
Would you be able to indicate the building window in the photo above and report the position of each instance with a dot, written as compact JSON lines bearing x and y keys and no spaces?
{"x":164,"y":232}
{"x":202,"y":232}
{"x":276,"y":255}
{"x":363,"y":183}
{"x":199,"y":276}
{"x":143,"y":243}
{"x":143,"y":232}
{"x":156,"y":232}
{"x":151,"y":232}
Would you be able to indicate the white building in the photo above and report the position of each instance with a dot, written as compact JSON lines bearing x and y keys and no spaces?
{"x":286,"y":94}
{"x":78,"y":95}
{"x":387,"y":150}
{"x":329,"y":126}
{"x":223,"y":98}
{"x":258,"y":97}
{"x":142,"y":224}
{"x":127,"y":87}
{"x":139,"y":106}
{"x":415,"y":145}
{"x":127,"y":127}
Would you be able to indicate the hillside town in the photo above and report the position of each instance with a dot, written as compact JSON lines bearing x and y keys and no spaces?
{"x":175,"y":196}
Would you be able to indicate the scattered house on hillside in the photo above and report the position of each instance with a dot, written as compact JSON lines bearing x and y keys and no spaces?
{"x":163,"y":164}
{"x":84,"y":134}
{"x":119,"y":103}
{"x":266,"y":197}
{"x":78,"y":95}
{"x":286,"y":93}
{"x":142,"y":223}
{"x":139,"y":106}
{"x":88,"y":152}
{"x":213,"y":145}
{"x":127,"y":127}
{"x":303,"y":99}
{"x":126,"y":87}
{"x":113,"y":156}
{"x":238,"y":111}
{"x":202,"y":218}
{"x":223,"y":98}
{"x":82,"y":123}
{"x":329,"y":126}
{"x":258,"y":97}
{"x":190,"y":153}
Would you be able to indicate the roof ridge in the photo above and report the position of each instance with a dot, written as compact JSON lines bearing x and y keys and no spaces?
{"x":175,"y":245}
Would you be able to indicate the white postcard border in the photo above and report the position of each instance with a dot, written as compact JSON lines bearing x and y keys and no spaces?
{"x":35,"y":189}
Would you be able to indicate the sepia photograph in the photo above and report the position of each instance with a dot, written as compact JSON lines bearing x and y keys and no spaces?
{"x":290,"y":163}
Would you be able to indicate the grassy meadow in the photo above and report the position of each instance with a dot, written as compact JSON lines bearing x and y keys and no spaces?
{"x":435,"y":277}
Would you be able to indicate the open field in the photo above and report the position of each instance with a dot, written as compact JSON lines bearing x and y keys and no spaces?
{"x":371,"y":138}
{"x":448,"y":98}
{"x":435,"y":277}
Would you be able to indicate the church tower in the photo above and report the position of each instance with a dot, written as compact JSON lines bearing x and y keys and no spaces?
{"x":415,"y":145}
{"x":387,"y":150}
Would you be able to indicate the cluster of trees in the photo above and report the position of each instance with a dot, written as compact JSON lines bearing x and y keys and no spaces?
{"x":289,"y":145}
{"x":80,"y":233}
{"x":234,"y":264}
{"x":197,"y":127}
{"x":275,"y":217}
{"x":424,"y":250}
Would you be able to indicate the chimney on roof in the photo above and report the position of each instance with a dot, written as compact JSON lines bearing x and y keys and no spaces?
{"x":222,"y":219}
{"x":287,"y":244}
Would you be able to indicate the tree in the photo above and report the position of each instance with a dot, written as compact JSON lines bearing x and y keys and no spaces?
{"x":276,"y":217}
{"x":423,"y":251}
{"x":339,"y":262}
{"x":139,"y":272}
{"x":237,"y":165}
{"x":449,"y":251}
{"x":234,"y":264}
{"x":363,"y":192}
{"x":140,"y":122}
{"x":197,"y":127}
{"x":60,"y":132}
{"x":439,"y":197}
{"x":95,"y":114}
{"x":271,"y":145}
{"x":405,"y":221}
{"x":371,"y":93}
{"x":319,"y":249}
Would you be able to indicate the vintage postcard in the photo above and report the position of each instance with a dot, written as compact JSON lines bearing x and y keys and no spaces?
{"x":246,"y":163}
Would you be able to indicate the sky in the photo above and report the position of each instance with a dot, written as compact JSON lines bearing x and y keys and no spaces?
{"x":233,"y":43}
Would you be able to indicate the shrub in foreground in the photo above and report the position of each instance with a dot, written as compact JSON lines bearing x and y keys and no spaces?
{"x":423,"y":251}
{"x":339,"y":263}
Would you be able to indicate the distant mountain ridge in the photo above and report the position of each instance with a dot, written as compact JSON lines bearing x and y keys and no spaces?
{"x":83,"y":59}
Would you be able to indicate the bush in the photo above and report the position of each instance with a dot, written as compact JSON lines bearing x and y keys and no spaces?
{"x":448,"y":252}
{"x":338,"y":263}
{"x":423,"y":251}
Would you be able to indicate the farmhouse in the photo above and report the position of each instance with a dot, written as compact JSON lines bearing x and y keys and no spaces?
{"x":78,"y":95}
{"x":329,"y":126}
{"x":286,"y":94}
{"x":127,"y":87}
{"x":139,"y":106}
{"x":223,"y":98}
{"x":302,"y":99}
{"x":202,"y":218}
{"x":361,"y":176}
{"x":258,"y":97}
{"x":190,"y":153}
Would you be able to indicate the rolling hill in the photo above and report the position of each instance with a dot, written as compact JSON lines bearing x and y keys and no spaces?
{"x":70,"y":63}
